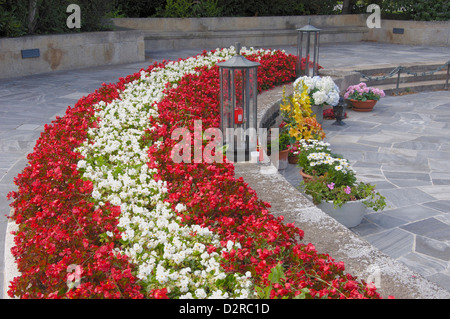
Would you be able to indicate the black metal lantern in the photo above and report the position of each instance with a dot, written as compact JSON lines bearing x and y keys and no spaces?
{"x":238,"y":105}
{"x":339,"y":112}
{"x":308,"y":38}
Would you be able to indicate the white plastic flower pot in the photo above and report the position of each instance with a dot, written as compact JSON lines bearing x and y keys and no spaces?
{"x":350,"y":214}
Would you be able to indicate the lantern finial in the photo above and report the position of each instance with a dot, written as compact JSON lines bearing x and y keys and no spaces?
{"x":238,"y":48}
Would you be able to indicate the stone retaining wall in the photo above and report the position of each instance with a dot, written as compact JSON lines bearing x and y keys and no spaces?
{"x":236,"y":23}
{"x":69,"y":51}
{"x":431,"y":33}
{"x":136,"y":35}
{"x":187,"y":33}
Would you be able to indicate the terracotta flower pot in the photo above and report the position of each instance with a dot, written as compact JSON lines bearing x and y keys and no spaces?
{"x":363,"y":106}
{"x":283,"y":156}
{"x":282,"y":159}
{"x":292,"y":159}
{"x":306,"y":177}
{"x":317,"y":110}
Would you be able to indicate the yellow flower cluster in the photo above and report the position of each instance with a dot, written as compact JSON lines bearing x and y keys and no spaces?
{"x":296,"y":112}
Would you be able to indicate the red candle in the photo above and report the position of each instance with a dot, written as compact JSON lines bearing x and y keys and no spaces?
{"x":261,"y":154}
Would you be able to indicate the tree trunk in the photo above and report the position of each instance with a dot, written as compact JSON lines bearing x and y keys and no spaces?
{"x":347,"y":6}
{"x":32,"y":15}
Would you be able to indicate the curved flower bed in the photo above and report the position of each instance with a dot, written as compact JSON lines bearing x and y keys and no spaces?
{"x":102,"y":193}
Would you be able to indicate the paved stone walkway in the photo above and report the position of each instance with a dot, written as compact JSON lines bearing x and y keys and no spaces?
{"x":405,"y":166}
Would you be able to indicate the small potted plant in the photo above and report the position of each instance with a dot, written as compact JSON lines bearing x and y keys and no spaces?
{"x":328,"y":114}
{"x":284,"y":141}
{"x":333,"y":185}
{"x":305,"y":148}
{"x":299,"y":122}
{"x":293,"y":152}
{"x":362,"y":97}
{"x":346,"y":203}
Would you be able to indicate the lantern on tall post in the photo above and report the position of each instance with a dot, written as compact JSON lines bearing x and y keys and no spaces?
{"x":308,"y":38}
{"x":238,"y":105}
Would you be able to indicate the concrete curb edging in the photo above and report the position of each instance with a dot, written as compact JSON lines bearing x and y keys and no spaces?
{"x":10,"y":263}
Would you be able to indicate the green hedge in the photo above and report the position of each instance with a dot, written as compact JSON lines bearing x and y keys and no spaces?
{"x":16,"y":16}
{"x":50,"y":16}
{"x":239,"y":8}
{"x":419,"y":10}
{"x":396,"y":9}
{"x":423,"y":10}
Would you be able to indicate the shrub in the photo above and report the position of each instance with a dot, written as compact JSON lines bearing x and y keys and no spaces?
{"x":11,"y":24}
{"x":420,"y":10}
{"x":50,"y":16}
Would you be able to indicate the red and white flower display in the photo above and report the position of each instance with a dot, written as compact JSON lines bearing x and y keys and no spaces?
{"x":101,"y":192}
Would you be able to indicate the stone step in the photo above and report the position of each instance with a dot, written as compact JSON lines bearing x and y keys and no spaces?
{"x":407,"y":78}
{"x":420,"y":77}
{"x":413,"y":87}
{"x":413,"y":67}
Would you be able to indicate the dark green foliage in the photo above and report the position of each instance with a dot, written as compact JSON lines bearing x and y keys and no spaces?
{"x":11,"y":19}
{"x":139,"y":8}
{"x":276,"y":8}
{"x":419,"y":10}
{"x":19,"y":17}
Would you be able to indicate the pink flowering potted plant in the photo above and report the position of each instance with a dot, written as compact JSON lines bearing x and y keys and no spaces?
{"x":362,"y":97}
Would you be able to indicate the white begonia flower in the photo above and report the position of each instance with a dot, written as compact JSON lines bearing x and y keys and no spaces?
{"x":187,"y":296}
{"x":96,"y":194}
{"x":180,"y":208}
{"x":200,"y":293}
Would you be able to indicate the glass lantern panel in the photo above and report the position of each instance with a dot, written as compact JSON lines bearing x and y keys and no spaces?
{"x":308,"y":52}
{"x":252,"y":107}
{"x":226,"y":109}
{"x":238,"y":110}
